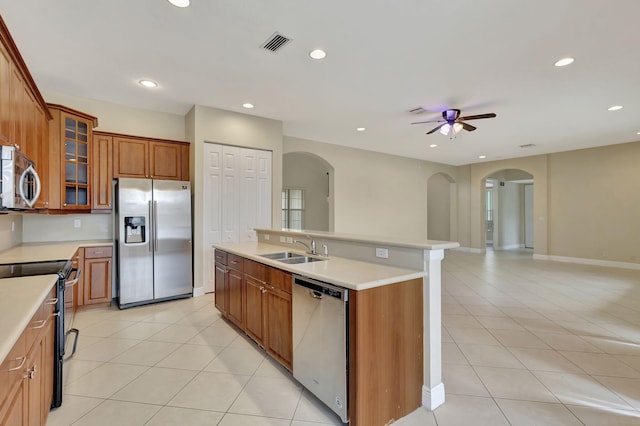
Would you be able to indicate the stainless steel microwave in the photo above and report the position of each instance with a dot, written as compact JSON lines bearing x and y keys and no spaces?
{"x":20,"y":181}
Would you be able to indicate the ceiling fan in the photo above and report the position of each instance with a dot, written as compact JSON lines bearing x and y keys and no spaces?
{"x":452,"y":123}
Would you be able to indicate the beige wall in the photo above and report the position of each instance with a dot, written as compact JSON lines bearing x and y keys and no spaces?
{"x":439,"y":208}
{"x":308,"y":172}
{"x":536,"y":166}
{"x":39,"y":227}
{"x":230,"y":128}
{"x":375,"y":194}
{"x":124,"y":119}
{"x":594,"y":203}
{"x":10,"y":230}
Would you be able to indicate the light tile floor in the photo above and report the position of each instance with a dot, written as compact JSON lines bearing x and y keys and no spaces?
{"x":524,"y":343}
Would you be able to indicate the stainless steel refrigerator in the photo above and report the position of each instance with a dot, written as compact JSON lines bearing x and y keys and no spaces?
{"x":153,"y":221}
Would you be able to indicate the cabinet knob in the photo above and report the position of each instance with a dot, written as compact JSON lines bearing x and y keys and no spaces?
{"x":64,"y":205}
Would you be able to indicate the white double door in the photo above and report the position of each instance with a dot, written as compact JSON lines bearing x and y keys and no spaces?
{"x":237,"y":197}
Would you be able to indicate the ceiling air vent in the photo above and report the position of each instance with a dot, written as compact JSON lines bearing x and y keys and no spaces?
{"x":275,"y":42}
{"x":529,"y":145}
{"x":418,"y":110}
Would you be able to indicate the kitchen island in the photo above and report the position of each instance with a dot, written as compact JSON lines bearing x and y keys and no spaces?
{"x":394,"y":345}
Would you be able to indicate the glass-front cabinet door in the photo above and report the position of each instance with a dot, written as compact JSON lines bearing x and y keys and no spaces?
{"x":75,"y":172}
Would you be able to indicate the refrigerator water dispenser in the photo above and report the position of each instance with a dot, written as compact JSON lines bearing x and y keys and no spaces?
{"x":134,"y":227}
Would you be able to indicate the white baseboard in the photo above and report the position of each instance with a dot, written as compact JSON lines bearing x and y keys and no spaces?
{"x":584,"y":261}
{"x":508,"y":247}
{"x":198,"y":291}
{"x":433,"y":398}
{"x":470,"y":250}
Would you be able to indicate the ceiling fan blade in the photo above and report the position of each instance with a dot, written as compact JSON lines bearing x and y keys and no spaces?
{"x":477,"y":117}
{"x":467,"y":127}
{"x":429,"y":121}
{"x":436,"y":129}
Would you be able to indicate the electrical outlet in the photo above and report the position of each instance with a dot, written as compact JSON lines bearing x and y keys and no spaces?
{"x":382,"y":253}
{"x":282,"y":239}
{"x":77,"y":223}
{"x":290,"y":240}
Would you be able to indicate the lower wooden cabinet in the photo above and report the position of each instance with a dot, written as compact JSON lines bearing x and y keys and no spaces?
{"x":235,"y":281}
{"x":96,"y":268}
{"x":256,"y":298}
{"x":26,"y":375}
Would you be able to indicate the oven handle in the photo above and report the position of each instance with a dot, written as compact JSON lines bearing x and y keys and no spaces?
{"x":69,"y":284}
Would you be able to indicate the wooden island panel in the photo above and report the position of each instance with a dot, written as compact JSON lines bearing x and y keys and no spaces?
{"x":385,"y":353}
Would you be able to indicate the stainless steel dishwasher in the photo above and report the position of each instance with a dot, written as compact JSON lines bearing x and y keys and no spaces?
{"x":320,"y":318}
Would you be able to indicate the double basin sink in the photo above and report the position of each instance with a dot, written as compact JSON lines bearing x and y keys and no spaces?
{"x":291,"y":258}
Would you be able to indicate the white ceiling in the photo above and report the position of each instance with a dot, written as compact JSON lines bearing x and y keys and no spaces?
{"x":384,"y":58}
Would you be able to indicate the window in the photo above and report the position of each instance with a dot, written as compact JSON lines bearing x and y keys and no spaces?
{"x":489,"y":218}
{"x":293,"y":209}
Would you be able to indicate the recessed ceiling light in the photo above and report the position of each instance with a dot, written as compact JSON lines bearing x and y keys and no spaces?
{"x":360,"y":129}
{"x":564,"y":62}
{"x":615,"y":108}
{"x":638,"y":133}
{"x":247,"y":105}
{"x":433,"y":145}
{"x":482,"y":157}
{"x":318,"y":54}
{"x":148,"y":83}
{"x":180,"y":3}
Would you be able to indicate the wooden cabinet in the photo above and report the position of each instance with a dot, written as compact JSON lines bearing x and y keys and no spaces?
{"x":256,"y":298}
{"x":5,"y":90}
{"x":278,"y":321}
{"x":97,"y":275}
{"x":235,"y":280}
{"x":221,"y":294}
{"x":23,"y":113}
{"x":26,"y":375}
{"x":70,"y":134}
{"x":102,"y":165}
{"x":136,"y":157}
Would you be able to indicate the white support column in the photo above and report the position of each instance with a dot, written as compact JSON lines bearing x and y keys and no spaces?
{"x":432,"y":388}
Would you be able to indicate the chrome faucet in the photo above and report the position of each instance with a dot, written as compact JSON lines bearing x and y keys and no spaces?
{"x":311,"y":247}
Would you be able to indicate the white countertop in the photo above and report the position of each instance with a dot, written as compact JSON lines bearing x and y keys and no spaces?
{"x":42,"y":252}
{"x":351,"y":274}
{"x":20,"y":298}
{"x":370,"y":239}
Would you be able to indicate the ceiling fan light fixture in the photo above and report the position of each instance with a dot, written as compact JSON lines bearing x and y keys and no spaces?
{"x":564,"y":62}
{"x":457,"y":127}
{"x":445,"y":129}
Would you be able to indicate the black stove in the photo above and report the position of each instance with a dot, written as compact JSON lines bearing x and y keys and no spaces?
{"x":34,"y":268}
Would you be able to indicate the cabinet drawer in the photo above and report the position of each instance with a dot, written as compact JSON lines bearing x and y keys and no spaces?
{"x":235,"y":262}
{"x":255,"y":269}
{"x":221,"y":256}
{"x":280,"y":279}
{"x":12,"y":368}
{"x":98,"y":252}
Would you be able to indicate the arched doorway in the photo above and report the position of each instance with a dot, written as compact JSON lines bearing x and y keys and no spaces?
{"x":441,"y":208}
{"x":307,"y":187}
{"x":508,"y":209}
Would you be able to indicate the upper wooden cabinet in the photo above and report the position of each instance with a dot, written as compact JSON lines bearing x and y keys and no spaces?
{"x":19,"y":100}
{"x":102,"y":165}
{"x":136,"y":157}
{"x":70,"y":135}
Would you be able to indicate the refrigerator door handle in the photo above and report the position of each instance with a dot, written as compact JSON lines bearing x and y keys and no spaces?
{"x":155,"y":226}
{"x":150,"y":229}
